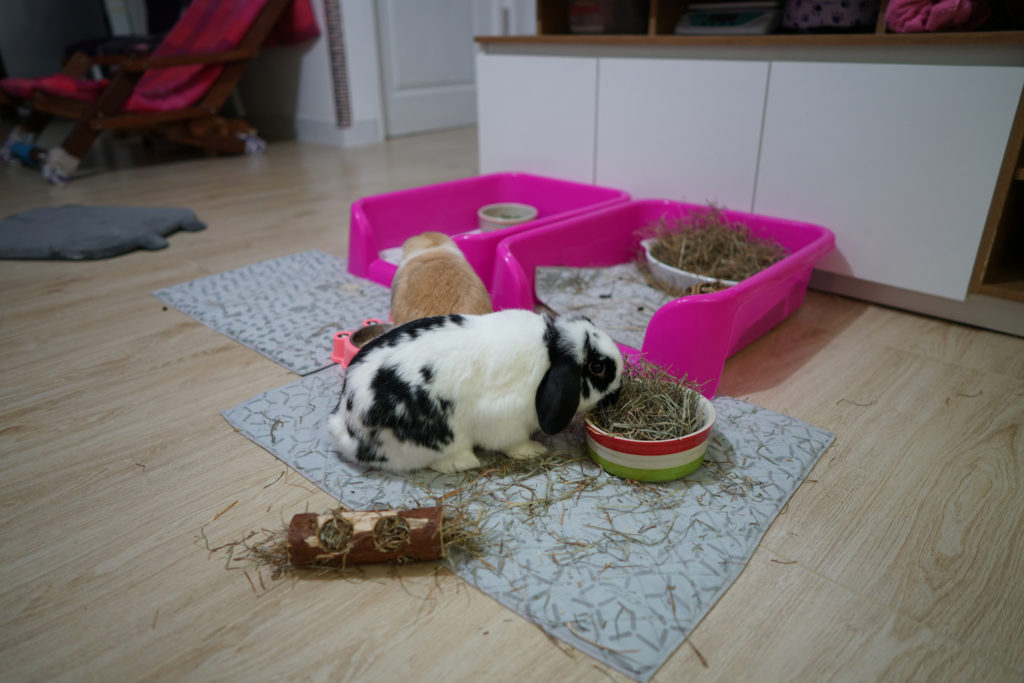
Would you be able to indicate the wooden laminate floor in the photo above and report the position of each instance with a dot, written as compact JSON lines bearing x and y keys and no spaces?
{"x":900,"y":558}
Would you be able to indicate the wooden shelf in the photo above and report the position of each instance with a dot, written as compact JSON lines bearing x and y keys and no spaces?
{"x":999,"y":267}
{"x":1004,"y":284}
{"x":553,"y":28}
{"x":978,"y":38}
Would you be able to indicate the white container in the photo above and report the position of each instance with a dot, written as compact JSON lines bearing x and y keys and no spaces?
{"x":675,"y":278}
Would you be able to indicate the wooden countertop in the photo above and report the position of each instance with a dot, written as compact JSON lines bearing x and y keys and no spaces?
{"x":978,"y":38}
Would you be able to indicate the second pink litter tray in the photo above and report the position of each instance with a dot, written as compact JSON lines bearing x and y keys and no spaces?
{"x":693,"y":334}
{"x":382,"y":222}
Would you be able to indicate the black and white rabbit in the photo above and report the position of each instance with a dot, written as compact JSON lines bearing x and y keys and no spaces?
{"x":427,"y":392}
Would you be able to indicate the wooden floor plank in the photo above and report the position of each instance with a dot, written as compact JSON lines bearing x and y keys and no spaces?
{"x":905,"y":540}
{"x":809,"y":628}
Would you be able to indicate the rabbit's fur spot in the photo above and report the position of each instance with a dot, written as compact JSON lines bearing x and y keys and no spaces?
{"x":427,"y":373}
{"x":409,"y":330}
{"x":409,"y":411}
{"x":599,"y":383}
{"x":367,"y":451}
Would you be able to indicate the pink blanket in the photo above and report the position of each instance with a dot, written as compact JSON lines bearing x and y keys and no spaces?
{"x":915,"y":16}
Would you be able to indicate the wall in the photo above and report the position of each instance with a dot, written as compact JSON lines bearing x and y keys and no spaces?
{"x":287,"y":91}
{"x":34,"y":33}
{"x":127,"y":17}
{"x":522,"y":17}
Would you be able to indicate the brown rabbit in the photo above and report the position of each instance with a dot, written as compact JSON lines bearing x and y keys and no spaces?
{"x":434,"y":278}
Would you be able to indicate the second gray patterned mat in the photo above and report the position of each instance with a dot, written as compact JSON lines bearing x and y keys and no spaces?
{"x":286,"y":308}
{"x":620,"y":570}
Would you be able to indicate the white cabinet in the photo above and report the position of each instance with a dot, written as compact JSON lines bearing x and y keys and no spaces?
{"x":537,"y":114}
{"x":680,"y":129}
{"x":898,"y":160}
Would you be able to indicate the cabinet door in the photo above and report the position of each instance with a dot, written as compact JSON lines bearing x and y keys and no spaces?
{"x":898,"y":160}
{"x":536,"y":115}
{"x":680,"y":129}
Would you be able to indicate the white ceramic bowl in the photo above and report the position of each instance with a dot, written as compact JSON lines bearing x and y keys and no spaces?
{"x":672,"y":276}
{"x":504,"y":214}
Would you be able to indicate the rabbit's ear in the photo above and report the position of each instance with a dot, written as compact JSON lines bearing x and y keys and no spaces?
{"x":558,"y":395}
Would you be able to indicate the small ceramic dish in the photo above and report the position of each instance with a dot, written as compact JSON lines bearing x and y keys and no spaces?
{"x":348,"y":342}
{"x":504,"y":214}
{"x":675,"y":278}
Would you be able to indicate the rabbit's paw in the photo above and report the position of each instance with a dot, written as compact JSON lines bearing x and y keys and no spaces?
{"x":456,"y":462}
{"x":527,"y":449}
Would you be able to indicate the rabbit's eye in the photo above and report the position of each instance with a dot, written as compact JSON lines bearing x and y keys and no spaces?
{"x":596,"y":367}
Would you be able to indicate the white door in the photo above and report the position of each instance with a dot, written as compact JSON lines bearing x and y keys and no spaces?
{"x":427,"y":55}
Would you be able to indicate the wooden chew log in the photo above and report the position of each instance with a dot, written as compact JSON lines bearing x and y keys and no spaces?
{"x":364,"y":536}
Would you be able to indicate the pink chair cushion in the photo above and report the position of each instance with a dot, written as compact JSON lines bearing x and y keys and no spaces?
{"x":61,"y":85}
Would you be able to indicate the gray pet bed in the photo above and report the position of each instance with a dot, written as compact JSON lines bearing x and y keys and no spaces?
{"x":90,"y":232}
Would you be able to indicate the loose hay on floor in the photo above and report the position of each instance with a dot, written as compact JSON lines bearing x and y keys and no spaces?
{"x":561,"y":542}
{"x":617,"y":299}
{"x":269,"y":549}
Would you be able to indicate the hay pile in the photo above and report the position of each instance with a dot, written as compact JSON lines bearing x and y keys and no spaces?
{"x":708,"y":243}
{"x":653,"y":405}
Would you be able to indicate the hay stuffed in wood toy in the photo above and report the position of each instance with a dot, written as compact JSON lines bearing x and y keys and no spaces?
{"x":355,"y":537}
{"x":340,"y":538}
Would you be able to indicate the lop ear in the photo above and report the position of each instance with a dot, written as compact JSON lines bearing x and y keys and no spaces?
{"x":558,"y":395}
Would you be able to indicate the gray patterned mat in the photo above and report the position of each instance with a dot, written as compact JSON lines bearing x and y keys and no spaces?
{"x":77,"y":232}
{"x":286,"y":308}
{"x":620,"y":570}
{"x":617,"y":298}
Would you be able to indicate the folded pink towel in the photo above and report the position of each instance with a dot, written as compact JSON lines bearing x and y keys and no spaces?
{"x":914,"y":16}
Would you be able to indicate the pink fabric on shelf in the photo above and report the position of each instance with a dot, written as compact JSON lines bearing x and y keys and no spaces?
{"x":917,"y":16}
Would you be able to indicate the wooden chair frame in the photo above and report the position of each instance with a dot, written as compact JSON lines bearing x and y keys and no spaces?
{"x":196,"y":125}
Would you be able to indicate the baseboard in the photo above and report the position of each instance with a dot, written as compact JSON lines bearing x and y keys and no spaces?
{"x":273,"y":127}
{"x":991,"y":313}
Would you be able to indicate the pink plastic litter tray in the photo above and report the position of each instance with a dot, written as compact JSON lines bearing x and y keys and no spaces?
{"x":381,"y":223}
{"x":692,"y":334}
